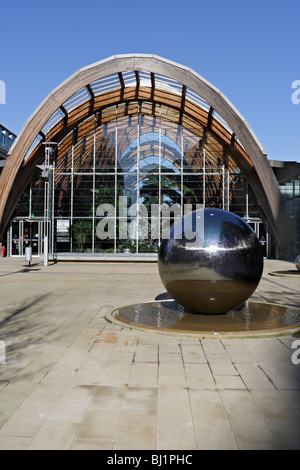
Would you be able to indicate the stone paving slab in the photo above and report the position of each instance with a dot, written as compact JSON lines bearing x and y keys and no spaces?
{"x":72,"y":380}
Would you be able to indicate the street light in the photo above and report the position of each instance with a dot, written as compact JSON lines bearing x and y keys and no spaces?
{"x":46,"y":170}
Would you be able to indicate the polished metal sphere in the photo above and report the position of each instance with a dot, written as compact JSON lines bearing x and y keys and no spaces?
{"x":212,"y":262}
{"x":297,"y":262}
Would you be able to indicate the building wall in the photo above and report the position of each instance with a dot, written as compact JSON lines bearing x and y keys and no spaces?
{"x":7,"y":138}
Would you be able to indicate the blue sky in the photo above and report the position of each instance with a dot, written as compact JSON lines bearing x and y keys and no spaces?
{"x":249,"y":50}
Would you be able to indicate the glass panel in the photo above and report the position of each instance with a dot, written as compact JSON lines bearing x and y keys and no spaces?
{"x":16,"y":246}
{"x":167,"y":84}
{"x":83,"y":155}
{"x":213,"y":191}
{"x":64,"y":162}
{"x":127,"y":152}
{"x":105,"y":148}
{"x":37,"y":196}
{"x":22,"y":207}
{"x":55,"y":118}
{"x":82,"y":195}
{"x":129,"y":79}
{"x":104,"y":189}
{"x":62,"y":195}
{"x":191,"y":95}
{"x":110,"y":82}
{"x":128,"y":186}
{"x":193,"y":189}
{"x":171,"y":189}
{"x":145,"y":79}
{"x":149,"y":149}
{"x":193,"y":153}
{"x":78,"y":98}
{"x":149,"y":190}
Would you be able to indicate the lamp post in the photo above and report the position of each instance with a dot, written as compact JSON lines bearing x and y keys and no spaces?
{"x":46,"y":169}
{"x":46,"y":172}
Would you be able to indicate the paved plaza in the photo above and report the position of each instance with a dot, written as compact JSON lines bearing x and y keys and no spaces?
{"x":73,"y":380}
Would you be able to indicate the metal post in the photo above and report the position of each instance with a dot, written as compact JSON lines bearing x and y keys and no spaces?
{"x":204,"y":174}
{"x":94,"y":188}
{"x":267,"y":240}
{"x":72,"y":195}
{"x":9,"y":240}
{"x":46,"y":202}
{"x":247,"y":201}
{"x":47,"y":174}
{"x":203,"y":167}
{"x":138,"y":182}
{"x":160,"y":212}
{"x":116,"y":181}
{"x":181,"y":176}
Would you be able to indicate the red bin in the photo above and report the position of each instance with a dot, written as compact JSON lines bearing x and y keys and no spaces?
{"x":3,"y":250}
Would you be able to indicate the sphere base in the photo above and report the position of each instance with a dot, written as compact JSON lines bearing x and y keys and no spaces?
{"x":251,"y":319}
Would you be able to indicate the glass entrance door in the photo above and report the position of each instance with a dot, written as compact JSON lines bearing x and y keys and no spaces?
{"x":31,"y":237}
{"x":26,"y":233}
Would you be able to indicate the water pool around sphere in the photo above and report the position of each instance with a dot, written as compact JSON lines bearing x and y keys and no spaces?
{"x":212,"y":261}
{"x":248,"y":320}
{"x":209,"y":284}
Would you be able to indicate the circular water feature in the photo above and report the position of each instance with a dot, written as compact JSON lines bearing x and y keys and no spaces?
{"x":249,"y":320}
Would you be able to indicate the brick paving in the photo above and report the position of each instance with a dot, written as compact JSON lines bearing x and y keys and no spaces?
{"x":73,"y":380}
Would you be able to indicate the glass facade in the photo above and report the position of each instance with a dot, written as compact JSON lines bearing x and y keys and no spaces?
{"x":118,"y":187}
{"x":290,"y":191}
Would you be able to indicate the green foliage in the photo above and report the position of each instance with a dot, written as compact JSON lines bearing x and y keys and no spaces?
{"x":82,"y":230}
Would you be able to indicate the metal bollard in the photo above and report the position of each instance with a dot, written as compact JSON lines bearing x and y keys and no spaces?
{"x":28,"y":254}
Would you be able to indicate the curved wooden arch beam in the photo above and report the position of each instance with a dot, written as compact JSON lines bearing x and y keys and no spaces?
{"x":264,"y":183}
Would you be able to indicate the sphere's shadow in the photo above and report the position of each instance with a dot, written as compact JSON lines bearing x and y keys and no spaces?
{"x":164,"y":296}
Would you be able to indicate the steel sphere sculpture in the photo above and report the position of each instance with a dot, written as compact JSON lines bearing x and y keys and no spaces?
{"x":212,"y":262}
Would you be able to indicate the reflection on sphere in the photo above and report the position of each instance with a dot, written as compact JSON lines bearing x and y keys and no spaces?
{"x":212,"y":261}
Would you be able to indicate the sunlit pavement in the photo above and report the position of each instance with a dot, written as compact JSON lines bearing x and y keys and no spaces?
{"x":73,"y":380}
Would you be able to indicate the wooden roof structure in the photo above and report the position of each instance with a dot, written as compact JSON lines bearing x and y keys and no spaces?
{"x":151,"y":86}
